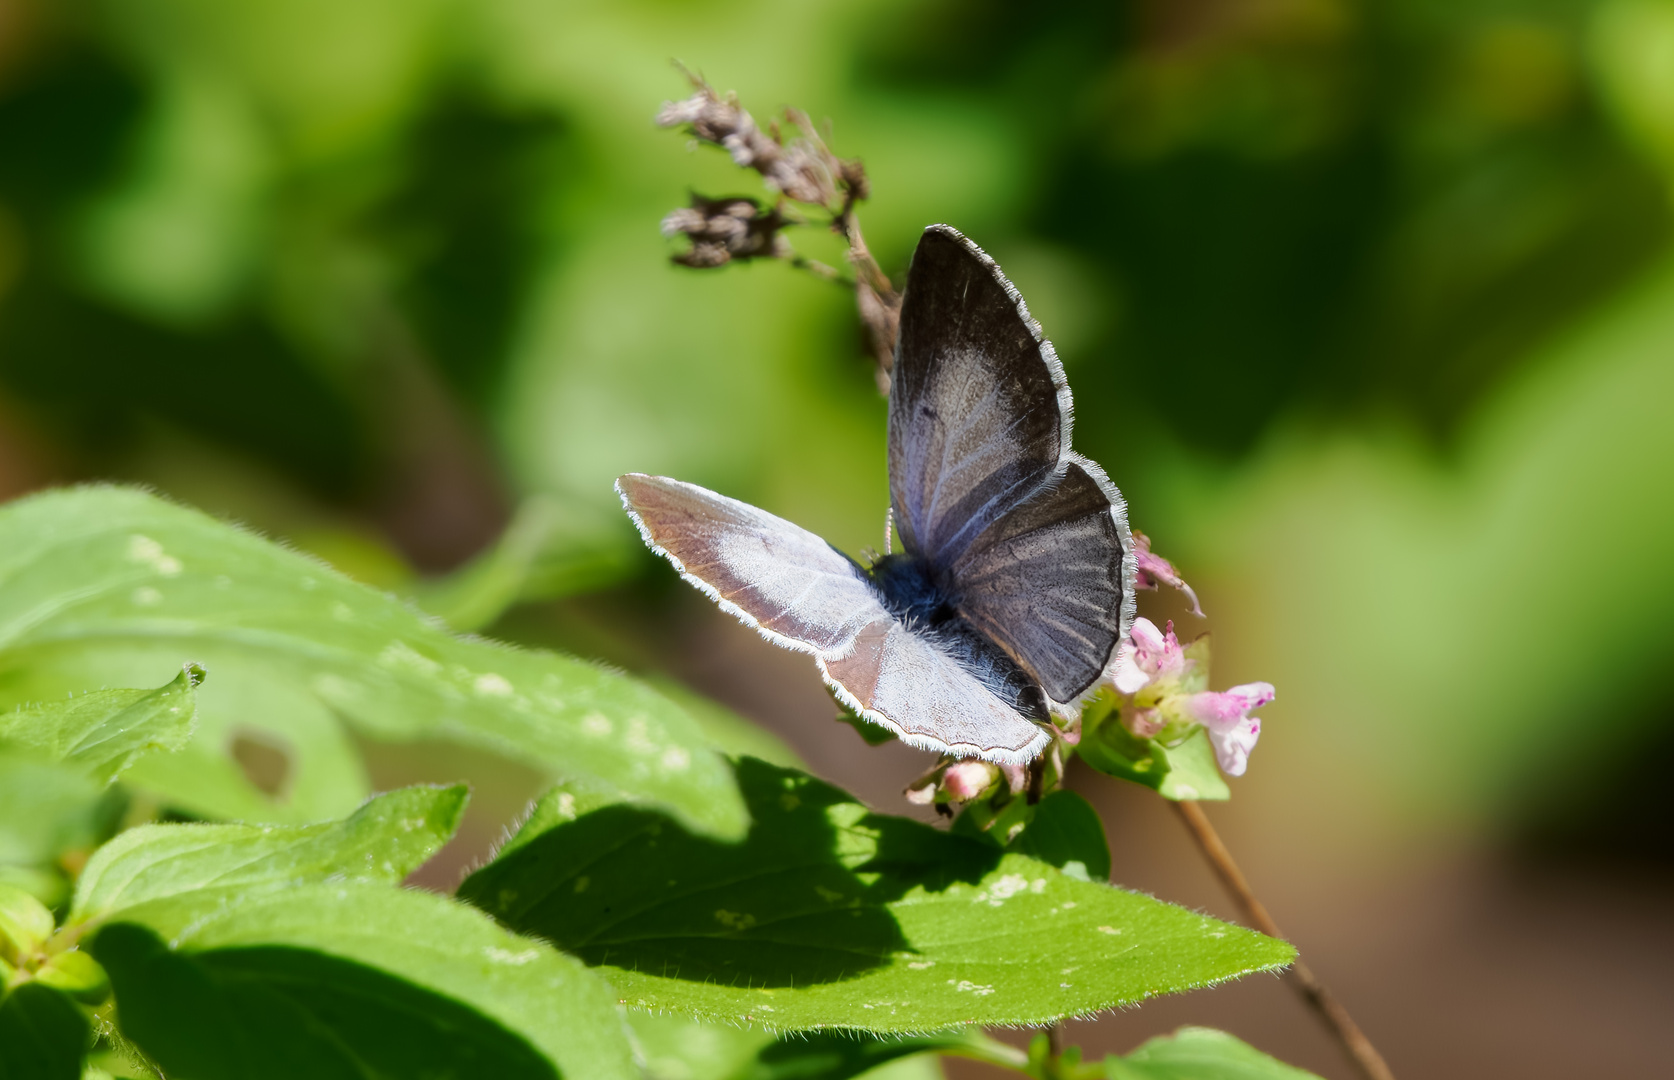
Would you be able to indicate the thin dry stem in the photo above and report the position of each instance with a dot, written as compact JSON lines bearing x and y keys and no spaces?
{"x":1354,"y":1041}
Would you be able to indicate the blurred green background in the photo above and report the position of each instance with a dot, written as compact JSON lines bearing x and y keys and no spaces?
{"x":1369,"y":309}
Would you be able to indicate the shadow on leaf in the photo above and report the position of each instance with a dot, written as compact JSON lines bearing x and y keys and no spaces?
{"x":799,"y":901}
{"x":276,"y":1012}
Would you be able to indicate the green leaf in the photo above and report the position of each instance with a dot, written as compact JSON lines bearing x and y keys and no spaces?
{"x":1195,"y":1053}
{"x":48,"y":809}
{"x":1066,"y":832}
{"x":385,"y":840}
{"x":726,"y":730}
{"x":828,"y":915}
{"x":105,"y":730}
{"x":348,"y":980}
{"x":1183,"y":771}
{"x":110,"y":586}
{"x":538,"y":557}
{"x":43,"y":1035}
{"x":25,"y":923}
{"x":674,"y":1048}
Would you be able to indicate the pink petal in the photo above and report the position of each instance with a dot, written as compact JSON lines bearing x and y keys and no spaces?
{"x":1233,"y":746}
{"x":1154,"y":570}
{"x":1221,"y":710}
{"x":1146,"y":637}
{"x":1125,"y":673}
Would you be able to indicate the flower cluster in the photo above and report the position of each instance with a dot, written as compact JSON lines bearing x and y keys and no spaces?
{"x":1163,"y":693}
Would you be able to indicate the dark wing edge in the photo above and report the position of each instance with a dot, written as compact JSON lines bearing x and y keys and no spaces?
{"x":999,"y":755}
{"x":1130,"y":569}
{"x":1066,"y":456}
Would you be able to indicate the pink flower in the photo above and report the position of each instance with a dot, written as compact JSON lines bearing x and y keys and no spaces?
{"x":1154,"y":569}
{"x":1226,"y":716}
{"x":1150,"y":655}
{"x":965,"y":780}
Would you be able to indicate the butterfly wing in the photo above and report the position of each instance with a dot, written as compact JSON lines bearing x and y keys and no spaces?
{"x":1030,"y":539}
{"x":801,"y":593}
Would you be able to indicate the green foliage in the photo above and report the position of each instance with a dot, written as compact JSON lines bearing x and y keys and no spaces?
{"x":239,"y":950}
{"x":536,"y":558}
{"x":383,"y":841}
{"x":104,"y":585}
{"x":1185,"y":769}
{"x":829,"y":916}
{"x":675,"y":1048}
{"x":43,"y":1035}
{"x":105,"y":730}
{"x":47,"y":810}
{"x":319,"y":977}
{"x":1195,"y":1053}
{"x":1066,"y":832}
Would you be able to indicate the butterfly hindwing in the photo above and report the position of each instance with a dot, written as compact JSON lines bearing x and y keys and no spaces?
{"x":1047,"y":582}
{"x":1029,"y":539}
{"x":801,"y":593}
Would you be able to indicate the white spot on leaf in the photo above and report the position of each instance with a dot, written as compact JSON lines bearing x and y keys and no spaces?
{"x":148,"y":552}
{"x":492,"y":685}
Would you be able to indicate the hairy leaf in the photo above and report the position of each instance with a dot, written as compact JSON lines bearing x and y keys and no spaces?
{"x":1195,"y":1053}
{"x":675,"y":1048}
{"x":385,"y":840}
{"x":111,"y":586}
{"x":43,"y":1035}
{"x":351,"y":980}
{"x":828,"y":915}
{"x":105,"y":730}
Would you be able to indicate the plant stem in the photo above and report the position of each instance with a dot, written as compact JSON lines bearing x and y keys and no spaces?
{"x":1354,"y":1041}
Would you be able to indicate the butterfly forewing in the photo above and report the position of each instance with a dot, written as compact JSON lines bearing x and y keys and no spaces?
{"x":804,"y":594}
{"x":1028,"y":539}
{"x":977,"y":416}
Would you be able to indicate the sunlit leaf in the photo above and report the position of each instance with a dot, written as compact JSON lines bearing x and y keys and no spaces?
{"x":385,"y":840}
{"x":828,"y":915}
{"x":1195,"y":1053}
{"x":349,"y":980}
{"x":105,"y":730}
{"x":102,"y":586}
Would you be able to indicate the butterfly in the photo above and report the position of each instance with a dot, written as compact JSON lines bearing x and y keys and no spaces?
{"x":1014,"y":585}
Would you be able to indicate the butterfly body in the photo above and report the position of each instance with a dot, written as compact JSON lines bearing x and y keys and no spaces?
{"x":1015,"y":581}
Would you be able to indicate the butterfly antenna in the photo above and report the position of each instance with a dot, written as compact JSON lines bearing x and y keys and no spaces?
{"x":889,"y":529}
